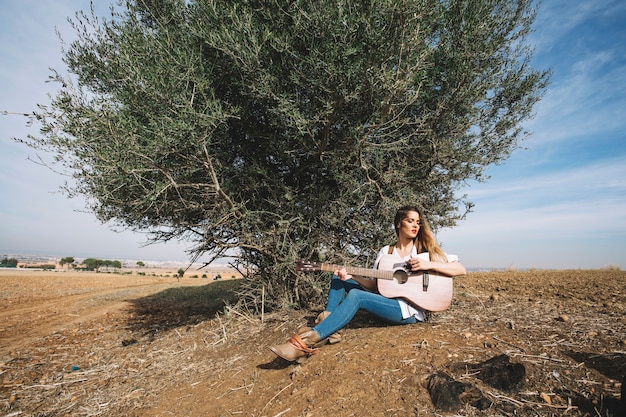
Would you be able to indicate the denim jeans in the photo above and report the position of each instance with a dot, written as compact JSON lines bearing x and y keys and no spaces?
{"x":345,"y":298}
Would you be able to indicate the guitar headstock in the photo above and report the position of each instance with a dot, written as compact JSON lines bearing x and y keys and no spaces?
{"x":307,"y":266}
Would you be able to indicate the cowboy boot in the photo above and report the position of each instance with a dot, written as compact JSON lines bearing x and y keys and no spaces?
{"x":298,"y":346}
{"x":333,"y":338}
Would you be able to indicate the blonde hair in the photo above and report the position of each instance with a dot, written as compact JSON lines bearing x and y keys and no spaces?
{"x":425,"y":240}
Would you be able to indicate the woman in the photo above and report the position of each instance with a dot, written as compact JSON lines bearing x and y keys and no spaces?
{"x":348,"y":294}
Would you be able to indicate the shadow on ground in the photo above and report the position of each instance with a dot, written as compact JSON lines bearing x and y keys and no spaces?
{"x":611,"y":365}
{"x":181,"y":306}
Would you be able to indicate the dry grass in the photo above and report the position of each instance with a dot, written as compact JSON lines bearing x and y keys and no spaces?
{"x":183,"y":351}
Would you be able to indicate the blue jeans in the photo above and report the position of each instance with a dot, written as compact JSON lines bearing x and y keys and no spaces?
{"x":345,"y":298}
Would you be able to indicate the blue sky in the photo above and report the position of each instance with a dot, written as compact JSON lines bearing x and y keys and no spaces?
{"x":558,"y":203}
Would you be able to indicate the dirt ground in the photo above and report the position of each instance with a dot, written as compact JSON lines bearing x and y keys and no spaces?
{"x":110,"y":345}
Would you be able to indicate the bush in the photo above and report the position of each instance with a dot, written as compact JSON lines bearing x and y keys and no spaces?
{"x":8,"y":263}
{"x":612,"y":268}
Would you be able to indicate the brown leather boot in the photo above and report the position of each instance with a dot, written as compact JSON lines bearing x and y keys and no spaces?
{"x":298,"y":346}
{"x":322,"y":316}
{"x":333,"y":338}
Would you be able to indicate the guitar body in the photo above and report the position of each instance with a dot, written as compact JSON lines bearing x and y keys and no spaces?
{"x":426,"y":290}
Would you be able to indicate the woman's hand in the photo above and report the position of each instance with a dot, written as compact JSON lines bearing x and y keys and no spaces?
{"x":450,"y":269}
{"x":343,"y":274}
{"x":419,"y":264}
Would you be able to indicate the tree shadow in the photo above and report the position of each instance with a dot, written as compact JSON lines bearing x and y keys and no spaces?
{"x":181,"y":306}
{"x":611,"y":365}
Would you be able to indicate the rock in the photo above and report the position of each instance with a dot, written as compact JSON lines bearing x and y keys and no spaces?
{"x":450,"y":395}
{"x":546,"y":398}
{"x":128,"y":342}
{"x":501,"y":374}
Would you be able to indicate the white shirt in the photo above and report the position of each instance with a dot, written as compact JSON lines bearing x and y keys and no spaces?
{"x":407,"y":309}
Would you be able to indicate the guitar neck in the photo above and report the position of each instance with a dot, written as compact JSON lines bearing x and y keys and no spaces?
{"x":361,"y":272}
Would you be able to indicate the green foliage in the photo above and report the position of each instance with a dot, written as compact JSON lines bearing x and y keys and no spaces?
{"x":273,"y":131}
{"x":93,"y":264}
{"x":68,"y":260}
{"x":45,"y":267}
{"x":8,"y":263}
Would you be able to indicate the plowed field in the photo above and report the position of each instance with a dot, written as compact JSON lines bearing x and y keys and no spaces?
{"x":90,"y":344}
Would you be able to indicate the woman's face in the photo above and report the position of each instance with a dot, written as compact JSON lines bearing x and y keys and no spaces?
{"x":409,"y":226}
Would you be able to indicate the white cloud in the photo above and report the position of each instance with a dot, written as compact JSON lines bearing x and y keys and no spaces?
{"x":557,"y":19}
{"x":522,"y":222}
{"x":35,"y":217}
{"x":588,"y":91}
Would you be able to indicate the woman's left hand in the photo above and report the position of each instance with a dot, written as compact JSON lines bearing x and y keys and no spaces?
{"x":343,"y":274}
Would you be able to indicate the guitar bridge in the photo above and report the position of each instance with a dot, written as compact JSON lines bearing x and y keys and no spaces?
{"x":425,"y":281}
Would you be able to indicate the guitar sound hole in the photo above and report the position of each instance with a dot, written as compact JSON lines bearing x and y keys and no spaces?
{"x":401,"y":276}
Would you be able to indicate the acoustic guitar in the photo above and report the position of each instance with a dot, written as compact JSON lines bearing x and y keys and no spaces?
{"x":424,"y":289}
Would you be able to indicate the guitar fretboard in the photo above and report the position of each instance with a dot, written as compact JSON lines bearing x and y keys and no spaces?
{"x":361,"y":272}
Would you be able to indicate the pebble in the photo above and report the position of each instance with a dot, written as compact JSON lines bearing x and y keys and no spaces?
{"x":563,"y":318}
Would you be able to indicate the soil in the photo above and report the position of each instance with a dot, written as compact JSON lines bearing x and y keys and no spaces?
{"x":87,"y":344}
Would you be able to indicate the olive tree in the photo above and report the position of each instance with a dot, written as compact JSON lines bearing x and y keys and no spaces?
{"x":271,"y":131}
{"x":68,"y":260}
